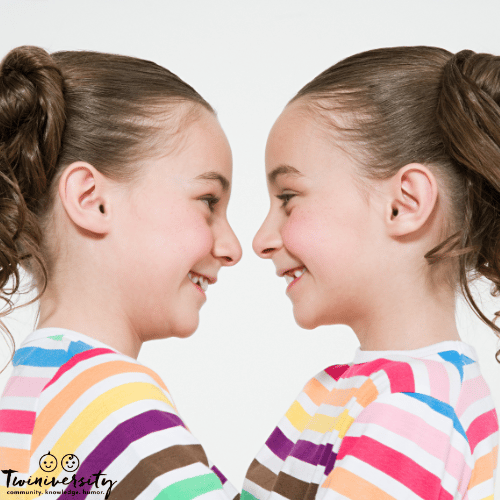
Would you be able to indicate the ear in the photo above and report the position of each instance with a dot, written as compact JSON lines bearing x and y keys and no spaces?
{"x":83,"y":194}
{"x":413,"y":193}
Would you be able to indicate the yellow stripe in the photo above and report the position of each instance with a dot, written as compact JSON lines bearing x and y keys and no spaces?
{"x":324,"y":423}
{"x":297,"y":416}
{"x":98,"y":411}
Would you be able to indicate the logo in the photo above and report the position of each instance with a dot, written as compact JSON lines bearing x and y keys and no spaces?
{"x":70,"y":462}
{"x":48,"y":463}
{"x":77,"y":484}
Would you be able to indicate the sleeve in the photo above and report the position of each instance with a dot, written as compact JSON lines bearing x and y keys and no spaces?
{"x":119,"y":433}
{"x":401,"y":446}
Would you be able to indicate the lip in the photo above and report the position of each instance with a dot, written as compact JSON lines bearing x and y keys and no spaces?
{"x":211,"y":280}
{"x":282,"y":273}
{"x":294,"y":282}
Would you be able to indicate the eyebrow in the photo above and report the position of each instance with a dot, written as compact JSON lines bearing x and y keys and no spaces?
{"x":282,"y":170}
{"x":214,"y":176}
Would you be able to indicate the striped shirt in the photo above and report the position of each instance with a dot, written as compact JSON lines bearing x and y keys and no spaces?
{"x":410,"y":425}
{"x":77,"y":416}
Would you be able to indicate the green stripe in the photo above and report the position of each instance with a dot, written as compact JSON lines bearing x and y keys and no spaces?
{"x":247,"y":496}
{"x":190,"y":488}
{"x":56,"y":337}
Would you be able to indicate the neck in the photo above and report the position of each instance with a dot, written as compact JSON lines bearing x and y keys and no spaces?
{"x":406,"y":317}
{"x":78,"y":312}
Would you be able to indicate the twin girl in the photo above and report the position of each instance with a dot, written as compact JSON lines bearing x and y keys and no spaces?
{"x":384,"y":177}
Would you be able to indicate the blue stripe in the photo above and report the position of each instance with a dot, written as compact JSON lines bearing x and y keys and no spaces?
{"x":37,"y":356}
{"x":443,"y":408}
{"x":459,"y":360}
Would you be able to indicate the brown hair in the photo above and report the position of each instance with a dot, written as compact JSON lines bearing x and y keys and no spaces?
{"x":423,"y":104}
{"x":105,"y":109}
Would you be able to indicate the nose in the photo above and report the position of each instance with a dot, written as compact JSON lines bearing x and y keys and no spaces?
{"x":268,"y":239}
{"x":226,"y":247}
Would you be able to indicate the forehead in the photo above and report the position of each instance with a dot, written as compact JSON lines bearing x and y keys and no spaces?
{"x":294,"y":137}
{"x":203,"y":146}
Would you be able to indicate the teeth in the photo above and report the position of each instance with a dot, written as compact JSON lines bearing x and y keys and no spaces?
{"x":196,"y":279}
{"x":204,"y":284}
{"x":296,"y":274}
{"x":299,"y":272}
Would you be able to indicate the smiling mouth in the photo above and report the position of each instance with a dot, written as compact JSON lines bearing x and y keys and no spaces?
{"x":294,"y":274}
{"x":199,"y":280}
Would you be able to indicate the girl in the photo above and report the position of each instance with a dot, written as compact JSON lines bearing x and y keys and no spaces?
{"x":384,"y":180}
{"x":115,"y":179}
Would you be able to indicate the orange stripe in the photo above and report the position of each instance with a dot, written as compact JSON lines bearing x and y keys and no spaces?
{"x":316,"y":391}
{"x":368,"y":393}
{"x":484,"y":468}
{"x":352,"y":486}
{"x":340,"y":397}
{"x":14,"y":458}
{"x":62,"y":401}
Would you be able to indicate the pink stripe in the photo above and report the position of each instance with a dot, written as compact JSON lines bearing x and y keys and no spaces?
{"x":395,"y":465}
{"x":439,"y":380}
{"x":17,"y":421}
{"x":472,"y":391}
{"x":399,"y":373}
{"x":336,"y":371}
{"x":415,"y":429}
{"x":481,"y":428}
{"x":76,"y":359}
{"x":25,"y":386}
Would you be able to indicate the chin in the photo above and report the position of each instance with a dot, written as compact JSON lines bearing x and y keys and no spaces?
{"x":186,"y":329}
{"x":306,"y":321}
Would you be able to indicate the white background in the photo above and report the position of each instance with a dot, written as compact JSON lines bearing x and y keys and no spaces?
{"x":236,"y":376}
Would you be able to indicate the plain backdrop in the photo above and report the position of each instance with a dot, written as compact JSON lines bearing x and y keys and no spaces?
{"x":236,"y":376}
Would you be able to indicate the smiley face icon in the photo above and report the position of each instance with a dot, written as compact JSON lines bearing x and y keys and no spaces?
{"x":48,"y":462}
{"x":70,"y":462}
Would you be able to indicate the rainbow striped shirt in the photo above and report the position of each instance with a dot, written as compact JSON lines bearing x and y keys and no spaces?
{"x":410,"y":425}
{"x":77,"y":416}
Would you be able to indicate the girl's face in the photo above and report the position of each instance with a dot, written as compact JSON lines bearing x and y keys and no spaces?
{"x":173,"y":232}
{"x":321,"y":232}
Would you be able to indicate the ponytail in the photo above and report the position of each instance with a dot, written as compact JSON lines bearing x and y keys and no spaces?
{"x":468,"y":113}
{"x":32,"y":120}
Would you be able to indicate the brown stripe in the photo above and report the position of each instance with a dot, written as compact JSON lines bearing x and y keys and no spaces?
{"x":149,"y":468}
{"x":261,"y":475}
{"x":294,"y":489}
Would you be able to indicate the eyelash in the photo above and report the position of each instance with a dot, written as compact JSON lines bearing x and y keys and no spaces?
{"x":285,"y":198}
{"x":211,"y":201}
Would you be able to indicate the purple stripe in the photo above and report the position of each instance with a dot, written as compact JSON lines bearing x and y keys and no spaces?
{"x":326,"y":454}
{"x":315,"y":454}
{"x":330,"y":464}
{"x":308,"y":452}
{"x":119,"y":439}
{"x":279,"y":444}
{"x":219,"y":474}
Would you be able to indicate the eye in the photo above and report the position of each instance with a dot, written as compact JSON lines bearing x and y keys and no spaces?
{"x":210,"y":201}
{"x":285,"y":198}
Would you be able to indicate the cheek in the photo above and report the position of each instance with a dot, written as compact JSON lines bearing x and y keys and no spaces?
{"x":188,"y":234}
{"x":322,"y":238}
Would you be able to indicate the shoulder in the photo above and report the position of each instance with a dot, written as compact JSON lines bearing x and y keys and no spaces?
{"x":319,"y":386}
{"x":445,"y":390}
{"x":98,"y":372}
